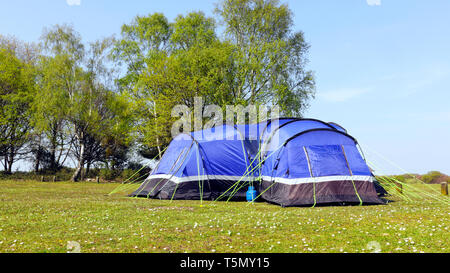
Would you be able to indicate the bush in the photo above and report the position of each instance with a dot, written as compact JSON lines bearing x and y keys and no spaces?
{"x":412,"y":181}
{"x":127,"y":173}
{"x":401,"y":178}
{"x":63,"y":174}
{"x":431,"y":177}
{"x":109,"y":174}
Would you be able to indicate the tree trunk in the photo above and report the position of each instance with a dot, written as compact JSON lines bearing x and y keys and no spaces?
{"x":88,"y":168}
{"x":157,"y":137}
{"x":159,"y":148}
{"x":54,"y":143}
{"x":52,"y":159}
{"x":11,"y":160}
{"x":37,"y":162}
{"x":78,"y":175}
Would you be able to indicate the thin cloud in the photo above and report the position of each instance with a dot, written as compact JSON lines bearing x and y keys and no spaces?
{"x":373,"y":2}
{"x":343,"y":94}
{"x":408,"y":84}
{"x":73,"y":2}
{"x":437,"y":116}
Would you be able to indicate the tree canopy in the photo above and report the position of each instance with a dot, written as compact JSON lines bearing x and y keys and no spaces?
{"x":95,"y":103}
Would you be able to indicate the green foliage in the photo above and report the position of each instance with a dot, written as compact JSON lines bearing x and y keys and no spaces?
{"x":193,"y":30}
{"x":16,"y":93}
{"x":412,"y":181}
{"x":109,"y":174}
{"x":63,"y":174}
{"x":407,"y":178}
{"x":401,"y":178}
{"x":75,"y":92}
{"x":431,"y":177}
{"x":270,"y":58}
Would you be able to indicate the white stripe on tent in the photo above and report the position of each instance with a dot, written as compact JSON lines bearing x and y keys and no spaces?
{"x":288,"y":181}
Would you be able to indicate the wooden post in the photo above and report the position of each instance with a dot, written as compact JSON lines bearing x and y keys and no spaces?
{"x":444,"y":188}
{"x":54,"y":179}
{"x":42,"y":178}
{"x":97,"y":179}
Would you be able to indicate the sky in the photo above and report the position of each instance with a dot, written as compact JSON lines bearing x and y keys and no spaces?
{"x":382,"y":67}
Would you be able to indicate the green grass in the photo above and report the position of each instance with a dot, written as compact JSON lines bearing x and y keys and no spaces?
{"x":44,"y":217}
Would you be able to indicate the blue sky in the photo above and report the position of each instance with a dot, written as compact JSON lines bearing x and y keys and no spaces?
{"x":382,"y":66}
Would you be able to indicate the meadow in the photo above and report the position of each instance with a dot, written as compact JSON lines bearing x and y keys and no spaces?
{"x":49,"y":217}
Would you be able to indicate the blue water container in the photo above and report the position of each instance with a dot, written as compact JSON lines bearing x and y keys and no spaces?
{"x":251,"y":194}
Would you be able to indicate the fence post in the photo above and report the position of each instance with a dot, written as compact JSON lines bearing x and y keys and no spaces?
{"x":444,"y":188}
{"x":97,"y":179}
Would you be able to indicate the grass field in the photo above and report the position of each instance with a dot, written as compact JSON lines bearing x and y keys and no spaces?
{"x":44,"y":217}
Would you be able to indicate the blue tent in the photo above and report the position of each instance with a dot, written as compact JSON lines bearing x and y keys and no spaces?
{"x":291,"y":162}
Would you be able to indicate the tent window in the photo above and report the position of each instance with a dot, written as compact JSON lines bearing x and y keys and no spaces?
{"x":327,"y":160}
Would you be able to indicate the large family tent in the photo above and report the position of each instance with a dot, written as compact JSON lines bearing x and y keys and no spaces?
{"x":290,"y":161}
